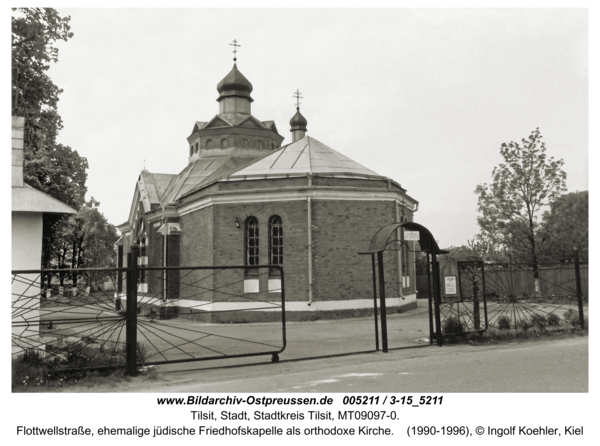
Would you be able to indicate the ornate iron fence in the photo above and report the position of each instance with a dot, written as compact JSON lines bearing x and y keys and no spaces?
{"x":69,"y":327}
{"x":127,"y":319}
{"x":516,"y":297}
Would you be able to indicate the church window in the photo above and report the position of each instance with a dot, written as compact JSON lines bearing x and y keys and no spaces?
{"x":120,"y":276}
{"x":142,"y":271}
{"x":275,"y":243}
{"x":223,"y":143}
{"x":208,"y":144}
{"x":252,"y":244}
{"x":196,"y":147}
{"x":245,"y":143}
{"x":260,"y":145}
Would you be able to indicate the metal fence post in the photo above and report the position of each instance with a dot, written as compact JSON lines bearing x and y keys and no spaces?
{"x":375,"y":302}
{"x":384,"y":340}
{"x":430,"y":299}
{"x":131,"y":327}
{"x":484,"y":295}
{"x":579,"y":292}
{"x":437,"y":299}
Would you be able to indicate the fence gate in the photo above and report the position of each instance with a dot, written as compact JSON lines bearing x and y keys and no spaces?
{"x":468,"y":312}
{"x":132,"y":317}
{"x":386,"y":236}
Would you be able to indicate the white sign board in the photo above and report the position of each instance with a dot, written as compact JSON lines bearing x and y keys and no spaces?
{"x":411,"y":236}
{"x":251,"y":286}
{"x":450,"y":284}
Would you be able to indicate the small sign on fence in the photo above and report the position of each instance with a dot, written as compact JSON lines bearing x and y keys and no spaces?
{"x":450,"y":285}
{"x":411,"y":236}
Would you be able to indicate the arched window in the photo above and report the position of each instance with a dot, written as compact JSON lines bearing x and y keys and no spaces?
{"x":245,"y":143}
{"x":260,"y":145}
{"x":196,"y":147}
{"x":223,"y":143}
{"x":275,"y":243}
{"x":142,"y":253}
{"x":208,"y":144}
{"x":252,"y":244}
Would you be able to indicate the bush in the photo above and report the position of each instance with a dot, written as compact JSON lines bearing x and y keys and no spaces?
{"x":538,"y":321}
{"x":70,"y":363}
{"x":27,"y":368}
{"x":523,"y":325}
{"x":504,"y":323}
{"x":572,"y":318}
{"x":553,"y":320}
{"x":452,"y":325}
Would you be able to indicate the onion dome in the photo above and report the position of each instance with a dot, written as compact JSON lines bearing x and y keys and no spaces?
{"x":298,"y":122}
{"x":234,"y":84}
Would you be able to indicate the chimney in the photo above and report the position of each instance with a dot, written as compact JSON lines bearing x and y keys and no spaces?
{"x":18,"y":130}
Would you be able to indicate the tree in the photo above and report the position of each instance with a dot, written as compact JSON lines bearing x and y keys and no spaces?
{"x":48,"y":166}
{"x":474,"y":250}
{"x":566,"y":223}
{"x":511,"y":206}
{"x":85,"y":240}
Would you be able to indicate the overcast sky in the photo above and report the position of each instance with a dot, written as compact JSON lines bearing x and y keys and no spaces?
{"x":423,"y":96}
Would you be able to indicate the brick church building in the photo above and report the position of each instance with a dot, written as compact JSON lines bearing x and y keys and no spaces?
{"x":245,"y":198}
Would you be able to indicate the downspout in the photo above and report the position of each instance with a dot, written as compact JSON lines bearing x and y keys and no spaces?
{"x":310,"y":278}
{"x":165,"y":234}
{"x":399,"y":252}
{"x":414,"y":257}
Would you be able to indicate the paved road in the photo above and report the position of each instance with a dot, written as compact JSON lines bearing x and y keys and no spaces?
{"x":549,"y":365}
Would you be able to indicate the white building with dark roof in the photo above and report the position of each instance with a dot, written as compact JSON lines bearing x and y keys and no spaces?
{"x":28,"y":207}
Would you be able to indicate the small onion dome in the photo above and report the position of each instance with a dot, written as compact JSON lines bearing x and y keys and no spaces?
{"x":298,"y":122}
{"x":234,"y":84}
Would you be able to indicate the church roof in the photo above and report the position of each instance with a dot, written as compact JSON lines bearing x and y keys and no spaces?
{"x":200,"y":173}
{"x":234,"y":84}
{"x":152,"y":186}
{"x":298,"y":122}
{"x":302,"y":157}
{"x":307,"y":155}
{"x":235,"y":120}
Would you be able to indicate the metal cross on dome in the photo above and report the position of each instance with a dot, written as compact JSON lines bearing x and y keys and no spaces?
{"x":234,"y":45}
{"x":298,"y":96}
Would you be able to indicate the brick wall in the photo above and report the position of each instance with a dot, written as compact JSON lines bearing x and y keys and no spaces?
{"x":340,"y":230}
{"x":230,"y":242}
{"x":197,"y":249}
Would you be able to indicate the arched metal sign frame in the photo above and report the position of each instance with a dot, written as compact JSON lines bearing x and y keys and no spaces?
{"x":379,"y":242}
